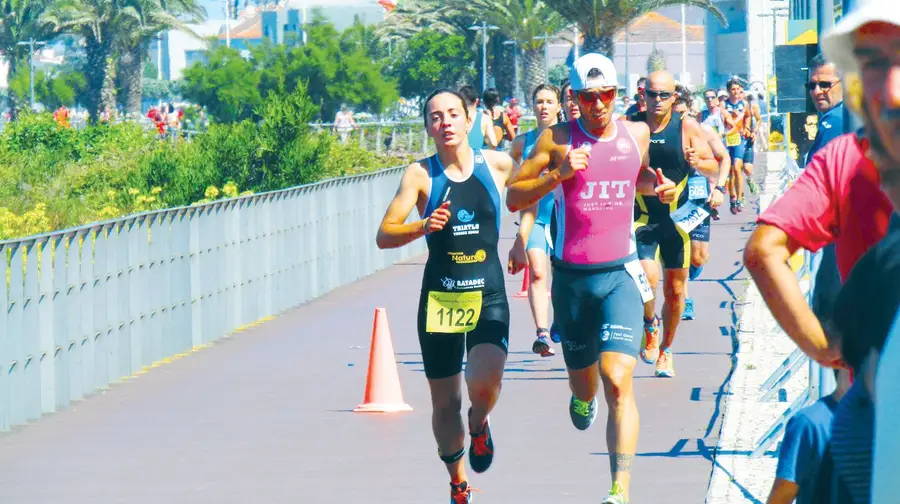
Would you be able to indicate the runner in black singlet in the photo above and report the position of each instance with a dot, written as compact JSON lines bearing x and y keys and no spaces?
{"x":462,"y":306}
{"x":677,"y":146}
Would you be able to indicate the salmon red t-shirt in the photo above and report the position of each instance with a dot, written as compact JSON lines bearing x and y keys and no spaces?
{"x":836,"y":199}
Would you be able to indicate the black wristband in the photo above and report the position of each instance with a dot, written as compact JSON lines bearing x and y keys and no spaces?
{"x":721,"y":189}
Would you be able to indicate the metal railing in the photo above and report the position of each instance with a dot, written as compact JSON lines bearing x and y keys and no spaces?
{"x":819,"y":383}
{"x":86,"y":307}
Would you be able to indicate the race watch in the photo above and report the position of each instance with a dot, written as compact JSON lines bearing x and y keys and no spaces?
{"x":721,"y":189}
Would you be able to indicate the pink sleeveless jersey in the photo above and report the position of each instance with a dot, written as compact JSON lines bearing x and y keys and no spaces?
{"x":595,"y":208}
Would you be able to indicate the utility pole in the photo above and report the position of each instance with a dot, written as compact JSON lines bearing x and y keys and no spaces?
{"x":31,"y":43}
{"x":683,"y":43}
{"x":546,"y":39}
{"x":484,"y":31}
{"x":575,"y":43}
{"x":515,"y":44}
{"x":775,"y":13}
{"x":628,"y":34}
{"x":227,"y":23}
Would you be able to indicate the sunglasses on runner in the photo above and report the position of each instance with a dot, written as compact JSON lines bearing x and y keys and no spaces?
{"x":606,"y":95}
{"x":662,"y":95}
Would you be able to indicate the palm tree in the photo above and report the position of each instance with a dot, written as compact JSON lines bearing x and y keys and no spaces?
{"x":520,"y":21}
{"x":417,"y":15}
{"x":656,"y":60}
{"x":600,"y":20}
{"x":97,"y":22}
{"x":154,"y":16}
{"x":20,"y":21}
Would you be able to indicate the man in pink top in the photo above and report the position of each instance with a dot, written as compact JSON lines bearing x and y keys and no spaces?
{"x":837,"y":199}
{"x":593,"y":165}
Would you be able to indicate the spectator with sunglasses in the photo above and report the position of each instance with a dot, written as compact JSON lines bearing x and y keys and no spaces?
{"x":838,"y":199}
{"x":825,"y":88}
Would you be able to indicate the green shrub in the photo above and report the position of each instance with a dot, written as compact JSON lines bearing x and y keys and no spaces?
{"x":52,"y":177}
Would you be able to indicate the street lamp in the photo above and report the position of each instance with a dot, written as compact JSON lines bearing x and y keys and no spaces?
{"x":628,"y":34}
{"x":775,"y":13}
{"x":31,"y":43}
{"x":484,"y":31}
{"x":546,"y":39}
{"x":515,"y":44}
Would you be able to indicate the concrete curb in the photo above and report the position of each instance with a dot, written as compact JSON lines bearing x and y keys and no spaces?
{"x":761,"y":347}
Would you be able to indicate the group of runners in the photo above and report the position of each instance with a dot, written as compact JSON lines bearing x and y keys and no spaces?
{"x":612,"y":205}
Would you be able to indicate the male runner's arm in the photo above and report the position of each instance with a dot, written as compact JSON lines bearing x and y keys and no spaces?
{"x":394,"y":232}
{"x":782,"y":231}
{"x":533,"y":181}
{"x":697,"y":151}
{"x":517,"y":258}
{"x":719,"y":151}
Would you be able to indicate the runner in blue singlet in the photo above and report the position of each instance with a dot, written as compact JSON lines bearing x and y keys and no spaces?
{"x":463,"y":308}
{"x":533,"y":239}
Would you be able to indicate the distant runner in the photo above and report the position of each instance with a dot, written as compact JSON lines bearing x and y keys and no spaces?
{"x":463,"y":306}
{"x":593,"y":166}
{"x":533,"y":238}
{"x":735,"y":114}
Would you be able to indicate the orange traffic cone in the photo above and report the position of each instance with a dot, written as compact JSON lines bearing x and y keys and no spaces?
{"x":383,"y":394}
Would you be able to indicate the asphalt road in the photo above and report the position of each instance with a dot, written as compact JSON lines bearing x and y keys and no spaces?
{"x":265,"y":416}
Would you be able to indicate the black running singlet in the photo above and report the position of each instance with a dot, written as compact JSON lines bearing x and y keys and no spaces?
{"x":463,"y":256}
{"x":667,"y":152}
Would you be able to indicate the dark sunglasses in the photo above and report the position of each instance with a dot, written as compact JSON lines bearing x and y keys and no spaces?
{"x":662,"y":95}
{"x":823,"y":85}
{"x":710,"y":97}
{"x":592,"y":96}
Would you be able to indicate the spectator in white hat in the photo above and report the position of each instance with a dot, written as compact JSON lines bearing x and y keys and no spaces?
{"x":867,"y":42}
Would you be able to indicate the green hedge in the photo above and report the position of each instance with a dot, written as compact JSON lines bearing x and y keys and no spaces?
{"x":53,"y":177}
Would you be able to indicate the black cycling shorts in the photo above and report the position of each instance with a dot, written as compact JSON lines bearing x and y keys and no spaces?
{"x":664,"y":241}
{"x":442,"y":354}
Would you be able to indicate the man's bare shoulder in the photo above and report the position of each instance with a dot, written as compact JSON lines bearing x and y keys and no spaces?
{"x":638,"y":129}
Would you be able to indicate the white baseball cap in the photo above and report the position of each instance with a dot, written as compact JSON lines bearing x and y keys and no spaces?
{"x":578,"y":76}
{"x":837,"y":42}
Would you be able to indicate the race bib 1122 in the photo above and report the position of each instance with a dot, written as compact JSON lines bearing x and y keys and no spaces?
{"x":452,"y":312}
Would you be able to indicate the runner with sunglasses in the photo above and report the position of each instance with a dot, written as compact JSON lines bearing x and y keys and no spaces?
{"x":678,"y":147}
{"x":593,"y":166}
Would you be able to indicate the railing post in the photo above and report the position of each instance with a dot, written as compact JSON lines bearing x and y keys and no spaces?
{"x":45,"y":312}
{"x":196,"y":293}
{"x":5,"y":354}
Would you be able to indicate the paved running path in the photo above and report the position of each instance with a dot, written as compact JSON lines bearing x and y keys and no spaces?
{"x":263,"y":417}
